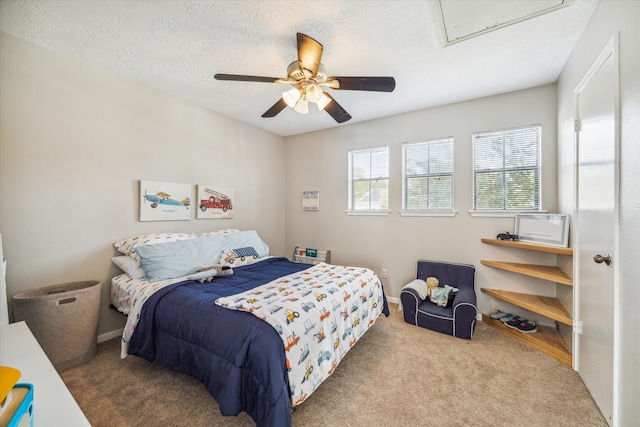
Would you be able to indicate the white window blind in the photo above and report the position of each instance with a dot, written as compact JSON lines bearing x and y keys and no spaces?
{"x":506,"y":169}
{"x":427,"y":175}
{"x":369,"y":179}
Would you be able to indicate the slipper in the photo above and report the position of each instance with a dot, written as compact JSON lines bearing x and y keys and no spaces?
{"x":497,"y":314}
{"x":507,"y":317}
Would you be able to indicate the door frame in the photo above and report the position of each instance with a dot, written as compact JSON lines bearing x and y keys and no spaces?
{"x":611,"y":50}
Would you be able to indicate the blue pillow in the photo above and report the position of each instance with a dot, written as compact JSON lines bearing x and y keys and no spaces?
{"x":176,"y":259}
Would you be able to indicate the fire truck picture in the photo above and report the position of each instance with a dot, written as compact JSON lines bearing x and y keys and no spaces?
{"x":217,"y":200}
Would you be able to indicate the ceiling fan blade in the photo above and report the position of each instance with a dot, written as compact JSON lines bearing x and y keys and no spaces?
{"x":373,"y":84}
{"x":241,"y":78}
{"x":275,"y":109}
{"x":309,"y":53}
{"x":336,"y":111}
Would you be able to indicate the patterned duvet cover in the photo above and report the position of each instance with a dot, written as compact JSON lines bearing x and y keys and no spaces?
{"x":239,"y":357}
{"x":319,"y":313}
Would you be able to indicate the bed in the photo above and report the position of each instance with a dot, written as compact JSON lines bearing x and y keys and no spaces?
{"x":262,"y":339}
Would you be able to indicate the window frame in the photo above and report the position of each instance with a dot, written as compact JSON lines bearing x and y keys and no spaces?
{"x":537,"y":169}
{"x":429,"y":144}
{"x":352,"y":209}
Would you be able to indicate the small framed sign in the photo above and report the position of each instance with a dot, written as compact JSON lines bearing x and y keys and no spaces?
{"x":311,"y":200}
{"x":552,"y":230}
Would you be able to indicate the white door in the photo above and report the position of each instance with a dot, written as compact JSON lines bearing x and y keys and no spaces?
{"x":596,"y":216}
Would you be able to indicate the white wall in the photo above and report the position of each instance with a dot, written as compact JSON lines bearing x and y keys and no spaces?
{"x":318,"y":161}
{"x":609,"y":18}
{"x":74,"y":142}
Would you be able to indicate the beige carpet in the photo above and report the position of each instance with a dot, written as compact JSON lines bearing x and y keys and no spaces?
{"x":396,"y":375}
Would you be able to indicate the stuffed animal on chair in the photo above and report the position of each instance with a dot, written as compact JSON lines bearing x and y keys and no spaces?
{"x":432,"y":282}
{"x":440,"y":296}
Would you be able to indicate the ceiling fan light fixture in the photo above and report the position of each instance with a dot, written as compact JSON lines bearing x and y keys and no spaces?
{"x":323,"y":101}
{"x":291,"y":97}
{"x":302,"y":106}
{"x":314,"y":92}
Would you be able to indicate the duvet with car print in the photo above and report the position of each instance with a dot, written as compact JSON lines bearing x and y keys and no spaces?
{"x":319,"y":313}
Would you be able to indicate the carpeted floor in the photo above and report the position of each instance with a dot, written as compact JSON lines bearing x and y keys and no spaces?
{"x":396,"y":375}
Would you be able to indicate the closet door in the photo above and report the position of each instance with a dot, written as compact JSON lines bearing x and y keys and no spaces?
{"x":597,"y":227}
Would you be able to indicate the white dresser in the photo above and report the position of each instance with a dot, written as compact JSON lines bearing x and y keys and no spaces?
{"x":53,"y":404}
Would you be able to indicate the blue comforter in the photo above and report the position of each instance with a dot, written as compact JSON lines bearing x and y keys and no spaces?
{"x":239,"y":358}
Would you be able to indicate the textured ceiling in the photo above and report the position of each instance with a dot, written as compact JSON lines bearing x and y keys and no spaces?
{"x":177,"y":47}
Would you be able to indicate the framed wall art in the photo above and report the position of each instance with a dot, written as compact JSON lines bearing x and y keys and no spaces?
{"x":214,"y":202}
{"x":164,"y":201}
{"x":552,"y":230}
{"x":311,"y":200}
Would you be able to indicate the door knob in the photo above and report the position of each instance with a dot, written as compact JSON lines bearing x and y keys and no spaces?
{"x":599,"y":259}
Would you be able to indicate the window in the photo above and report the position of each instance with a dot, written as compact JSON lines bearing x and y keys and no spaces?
{"x":506,"y":169}
{"x":427,"y":175}
{"x":369,"y":179}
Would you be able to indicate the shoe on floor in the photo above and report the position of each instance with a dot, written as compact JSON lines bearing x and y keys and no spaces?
{"x":497,"y":314}
{"x":513,"y":322}
{"x":507,"y":317}
{"x":527,"y":326}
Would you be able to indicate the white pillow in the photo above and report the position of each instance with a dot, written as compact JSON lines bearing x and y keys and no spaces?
{"x":128,"y":246}
{"x":129,"y":266}
{"x":238,"y":257}
{"x":216,"y":232}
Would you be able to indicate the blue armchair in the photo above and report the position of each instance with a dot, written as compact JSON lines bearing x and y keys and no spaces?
{"x":458,"y":320}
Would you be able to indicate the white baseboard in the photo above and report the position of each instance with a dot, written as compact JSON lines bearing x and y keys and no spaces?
{"x":395,"y":301}
{"x":110,"y":335}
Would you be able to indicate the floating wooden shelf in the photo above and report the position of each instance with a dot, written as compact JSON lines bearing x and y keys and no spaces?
{"x":546,"y":340}
{"x":530,"y":246}
{"x":546,"y":306}
{"x":546,"y":272}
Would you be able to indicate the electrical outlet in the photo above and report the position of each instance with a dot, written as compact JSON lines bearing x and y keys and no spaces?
{"x":383,"y":273}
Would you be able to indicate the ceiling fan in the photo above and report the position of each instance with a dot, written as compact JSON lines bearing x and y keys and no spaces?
{"x":307,"y":76}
